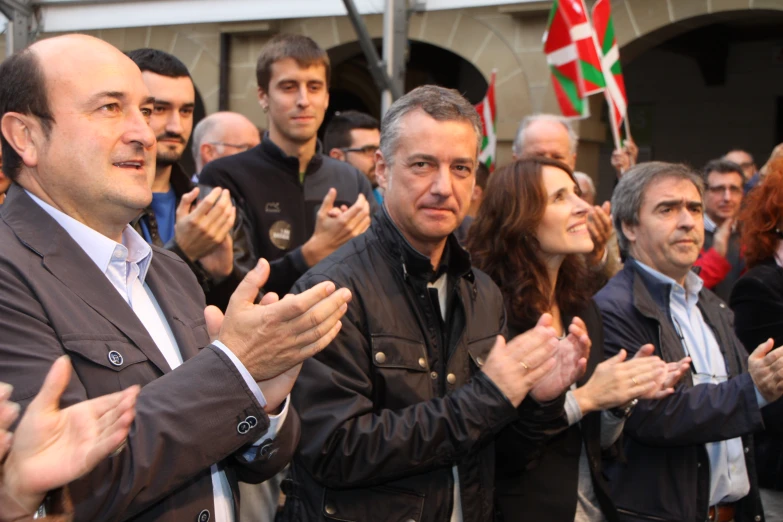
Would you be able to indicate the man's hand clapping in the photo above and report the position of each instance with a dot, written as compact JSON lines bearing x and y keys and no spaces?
{"x":334,"y":226}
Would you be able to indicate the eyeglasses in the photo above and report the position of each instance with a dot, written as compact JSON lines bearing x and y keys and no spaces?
{"x":721,"y":189}
{"x":367,"y":150}
{"x":241,"y":148}
{"x":698,"y":377}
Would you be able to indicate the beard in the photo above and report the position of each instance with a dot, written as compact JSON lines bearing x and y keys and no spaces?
{"x":166,"y":159}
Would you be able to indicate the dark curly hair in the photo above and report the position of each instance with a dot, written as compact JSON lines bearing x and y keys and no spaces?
{"x":502,"y":243}
{"x":761,"y":212}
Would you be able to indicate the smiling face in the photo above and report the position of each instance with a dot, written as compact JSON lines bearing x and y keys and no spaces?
{"x":172,"y":116}
{"x":430,"y":180}
{"x":97,"y":164}
{"x":563,"y":228}
{"x":723,"y":195}
{"x":670,"y":232}
{"x":296,"y":99}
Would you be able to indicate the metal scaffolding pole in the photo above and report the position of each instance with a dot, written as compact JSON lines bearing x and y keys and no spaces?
{"x":19,"y":31}
{"x":395,"y":36}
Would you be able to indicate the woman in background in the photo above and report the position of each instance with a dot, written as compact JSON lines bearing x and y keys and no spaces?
{"x":528,"y":236}
{"x":757,"y":302}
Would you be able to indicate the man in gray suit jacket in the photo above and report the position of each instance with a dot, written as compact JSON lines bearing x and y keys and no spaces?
{"x":76,"y":279}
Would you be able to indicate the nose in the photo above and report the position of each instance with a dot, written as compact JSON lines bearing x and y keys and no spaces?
{"x":174,"y":122}
{"x":581,"y":207}
{"x":687,"y":219}
{"x":304,"y":96}
{"x":441,"y":182}
{"x":139,"y":130}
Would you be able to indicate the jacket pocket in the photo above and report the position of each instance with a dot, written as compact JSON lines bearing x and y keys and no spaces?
{"x":115,"y":354}
{"x":381,"y":503}
{"x":401,"y":371}
{"x":479,"y":349}
{"x":108,"y":364}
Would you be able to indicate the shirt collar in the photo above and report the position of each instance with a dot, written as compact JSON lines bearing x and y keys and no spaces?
{"x":709,"y":224}
{"x":98,"y":247}
{"x":693,"y":283}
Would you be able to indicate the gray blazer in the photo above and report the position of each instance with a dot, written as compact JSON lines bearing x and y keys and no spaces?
{"x":55,"y":301}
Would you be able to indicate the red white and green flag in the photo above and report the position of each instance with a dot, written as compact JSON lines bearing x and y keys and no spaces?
{"x":586,"y":46}
{"x":488,"y":112}
{"x":610,"y":65}
{"x":564,"y":62}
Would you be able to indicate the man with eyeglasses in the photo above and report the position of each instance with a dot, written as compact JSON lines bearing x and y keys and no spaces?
{"x":222,"y":134}
{"x":354,"y":137}
{"x":301,"y":205}
{"x":721,"y":262}
{"x":688,"y":457}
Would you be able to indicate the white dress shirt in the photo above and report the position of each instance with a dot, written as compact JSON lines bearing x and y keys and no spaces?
{"x":126,"y":265}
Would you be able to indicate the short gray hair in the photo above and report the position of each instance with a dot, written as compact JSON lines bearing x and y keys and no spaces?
{"x":629,"y":192}
{"x":527,"y":121}
{"x":440,"y":103}
{"x":203,"y":129}
{"x":587,"y":179}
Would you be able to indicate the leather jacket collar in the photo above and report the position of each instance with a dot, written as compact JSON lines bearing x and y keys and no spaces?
{"x":414,"y":263}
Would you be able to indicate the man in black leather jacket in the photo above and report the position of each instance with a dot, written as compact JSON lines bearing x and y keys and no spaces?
{"x":400,"y":411}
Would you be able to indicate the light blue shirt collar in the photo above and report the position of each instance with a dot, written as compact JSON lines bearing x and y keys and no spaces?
{"x":709,"y":224}
{"x":693,"y":283}
{"x":98,"y":247}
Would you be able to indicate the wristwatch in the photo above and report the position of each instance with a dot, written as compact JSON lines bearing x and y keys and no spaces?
{"x":623,"y":412}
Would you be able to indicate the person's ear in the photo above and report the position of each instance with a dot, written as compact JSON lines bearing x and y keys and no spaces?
{"x":337,"y":154}
{"x":24,"y":134}
{"x":629,"y":231}
{"x":478,"y":193}
{"x":382,"y":170}
{"x":263,"y":99}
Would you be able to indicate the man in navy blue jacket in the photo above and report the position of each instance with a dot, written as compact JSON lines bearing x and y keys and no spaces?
{"x":689,"y":457}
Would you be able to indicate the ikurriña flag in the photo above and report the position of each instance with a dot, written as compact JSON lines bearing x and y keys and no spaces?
{"x":610,"y":65}
{"x":564,"y":62}
{"x":488,"y":113}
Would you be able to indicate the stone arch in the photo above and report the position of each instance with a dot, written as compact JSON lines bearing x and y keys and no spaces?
{"x":456,"y":31}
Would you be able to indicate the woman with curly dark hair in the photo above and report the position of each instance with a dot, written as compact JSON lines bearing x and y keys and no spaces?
{"x":528,"y":236}
{"x":757,"y":301}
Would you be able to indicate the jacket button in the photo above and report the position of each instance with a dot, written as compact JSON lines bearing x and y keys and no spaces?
{"x":722,"y":305}
{"x":747,"y":449}
{"x":243,"y":427}
{"x":252,"y":421}
{"x":265,"y":450}
{"x":329,"y":509}
{"x":422,"y":362}
{"x":380,"y":357}
{"x":115,"y":358}
{"x":410,"y":520}
{"x":757,"y":518}
{"x":434,"y":375}
{"x":480,"y":361}
{"x":451,"y":378}
{"x":203,"y":516}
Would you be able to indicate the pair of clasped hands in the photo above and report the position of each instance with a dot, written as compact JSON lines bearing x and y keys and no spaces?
{"x":538,"y":363}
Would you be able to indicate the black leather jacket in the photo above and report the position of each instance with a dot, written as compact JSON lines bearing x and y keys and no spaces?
{"x":399,"y":398}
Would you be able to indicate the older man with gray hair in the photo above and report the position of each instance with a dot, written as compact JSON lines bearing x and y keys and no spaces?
{"x":222,"y":134}
{"x":399,"y":414}
{"x":694,"y":448}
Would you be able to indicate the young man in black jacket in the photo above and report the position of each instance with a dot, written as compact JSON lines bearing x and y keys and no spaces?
{"x":399,"y":412}
{"x":300,"y":204}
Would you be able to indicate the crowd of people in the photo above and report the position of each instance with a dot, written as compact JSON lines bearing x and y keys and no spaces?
{"x":373,"y":327}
